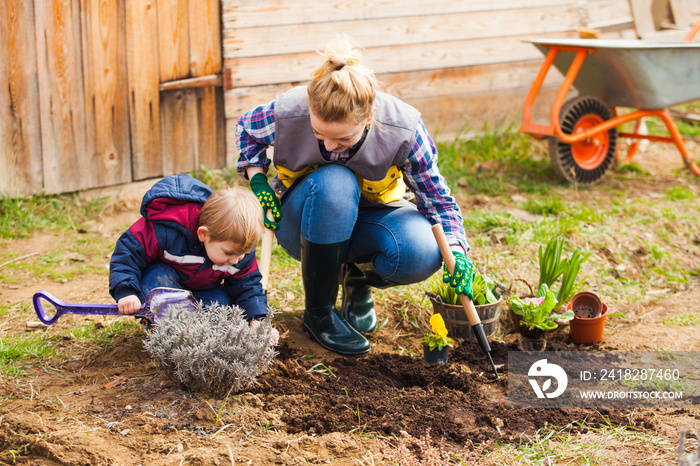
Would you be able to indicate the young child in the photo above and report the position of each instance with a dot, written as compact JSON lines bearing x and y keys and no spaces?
{"x":190,"y":237}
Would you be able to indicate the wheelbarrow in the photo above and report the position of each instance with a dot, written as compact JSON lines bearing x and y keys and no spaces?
{"x":646,"y":76}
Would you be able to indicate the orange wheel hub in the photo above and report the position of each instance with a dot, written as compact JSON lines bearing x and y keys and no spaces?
{"x":590,"y":152}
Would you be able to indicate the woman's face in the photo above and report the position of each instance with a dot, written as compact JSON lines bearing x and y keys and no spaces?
{"x":338,"y":136}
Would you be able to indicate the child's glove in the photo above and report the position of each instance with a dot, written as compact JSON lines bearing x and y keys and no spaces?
{"x":268,"y":199}
{"x":463,"y":277}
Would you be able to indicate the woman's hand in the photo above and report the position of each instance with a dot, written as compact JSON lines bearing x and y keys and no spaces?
{"x":462,"y":277}
{"x":268,"y":199}
{"x":129,"y":304}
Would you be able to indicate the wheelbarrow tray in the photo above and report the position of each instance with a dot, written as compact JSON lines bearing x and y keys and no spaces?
{"x":639,"y":74}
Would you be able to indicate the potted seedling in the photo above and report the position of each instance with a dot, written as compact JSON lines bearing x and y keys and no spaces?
{"x":536,"y":318}
{"x":552,"y":267}
{"x":436,"y":344}
{"x":487,"y":302}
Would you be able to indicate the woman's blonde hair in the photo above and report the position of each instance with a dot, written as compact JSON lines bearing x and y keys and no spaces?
{"x":342,"y":89}
{"x":233,"y":214}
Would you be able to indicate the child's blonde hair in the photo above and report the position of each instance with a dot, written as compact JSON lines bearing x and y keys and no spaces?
{"x":233,"y":214}
{"x":342,"y":89}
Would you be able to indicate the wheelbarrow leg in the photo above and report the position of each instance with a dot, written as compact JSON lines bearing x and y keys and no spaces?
{"x":679,"y":141}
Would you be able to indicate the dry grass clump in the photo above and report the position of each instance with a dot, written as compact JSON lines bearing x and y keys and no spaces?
{"x":424,"y":451}
{"x":212,"y":349}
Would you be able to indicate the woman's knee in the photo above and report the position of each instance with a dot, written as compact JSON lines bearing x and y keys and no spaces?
{"x":402,"y":249}
{"x":335,"y":185}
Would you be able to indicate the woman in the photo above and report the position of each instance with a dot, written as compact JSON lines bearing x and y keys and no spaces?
{"x":356,"y":192}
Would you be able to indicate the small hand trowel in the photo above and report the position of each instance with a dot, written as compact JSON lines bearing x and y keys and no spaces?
{"x":158,"y":303}
{"x":472,"y":315}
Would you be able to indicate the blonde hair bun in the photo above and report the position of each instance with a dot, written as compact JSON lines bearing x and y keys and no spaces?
{"x":342,"y":88}
{"x":339,"y":52}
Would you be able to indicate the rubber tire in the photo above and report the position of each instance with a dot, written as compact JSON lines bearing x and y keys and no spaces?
{"x":583,"y":162}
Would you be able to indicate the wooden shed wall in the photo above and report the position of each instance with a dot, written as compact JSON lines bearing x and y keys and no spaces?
{"x":462,"y":63}
{"x":82,"y":102}
{"x":101,"y":92}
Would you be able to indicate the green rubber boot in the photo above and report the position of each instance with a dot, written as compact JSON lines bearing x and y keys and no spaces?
{"x":320,"y":266}
{"x":357,"y":305}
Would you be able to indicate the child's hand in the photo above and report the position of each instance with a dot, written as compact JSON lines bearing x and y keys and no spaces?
{"x":129,"y":304}
{"x":274,"y":334}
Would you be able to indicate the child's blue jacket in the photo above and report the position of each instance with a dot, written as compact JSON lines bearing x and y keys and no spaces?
{"x":167,"y":232}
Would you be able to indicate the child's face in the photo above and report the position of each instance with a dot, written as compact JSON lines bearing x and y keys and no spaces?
{"x":221,"y":253}
{"x":224,"y":252}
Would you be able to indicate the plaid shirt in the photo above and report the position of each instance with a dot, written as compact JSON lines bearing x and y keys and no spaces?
{"x":255,"y":131}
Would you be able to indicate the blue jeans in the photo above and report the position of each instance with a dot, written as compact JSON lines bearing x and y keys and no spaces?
{"x":159,"y":274}
{"x":324,"y":208}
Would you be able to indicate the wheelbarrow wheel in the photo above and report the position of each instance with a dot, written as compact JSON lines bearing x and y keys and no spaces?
{"x":586,"y":161}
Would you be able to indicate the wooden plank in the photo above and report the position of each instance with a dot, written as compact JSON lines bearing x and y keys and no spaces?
{"x":209,"y":130}
{"x":681,"y":13}
{"x":204,"y":37}
{"x":449,"y":116}
{"x":221,"y":156}
{"x":416,"y":84}
{"x":20,"y":127}
{"x":694,"y":7}
{"x":189,"y":83}
{"x":425,"y":89}
{"x":144,"y":98}
{"x":106,"y":104}
{"x":415,"y":57}
{"x":262,"y":41}
{"x":178,"y":121}
{"x":61,"y":96}
{"x":602,"y":14}
{"x":173,"y":39}
{"x":254,"y":13}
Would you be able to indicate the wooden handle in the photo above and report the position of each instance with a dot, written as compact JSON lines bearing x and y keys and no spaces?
{"x":266,"y":254}
{"x":449,"y":259}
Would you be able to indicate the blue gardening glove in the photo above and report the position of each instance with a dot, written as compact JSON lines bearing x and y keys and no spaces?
{"x":463,"y":277}
{"x":268,"y":200}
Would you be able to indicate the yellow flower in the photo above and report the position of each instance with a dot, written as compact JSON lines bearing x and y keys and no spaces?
{"x":438,"y":325}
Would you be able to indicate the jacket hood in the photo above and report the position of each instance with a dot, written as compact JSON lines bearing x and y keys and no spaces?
{"x":176,"y":199}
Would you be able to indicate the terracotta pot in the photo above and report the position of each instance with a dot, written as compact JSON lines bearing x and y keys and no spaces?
{"x":586,"y":305}
{"x":587,"y":330}
{"x":532,"y":340}
{"x":435,"y":356}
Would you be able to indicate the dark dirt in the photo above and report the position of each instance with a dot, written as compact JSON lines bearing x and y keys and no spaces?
{"x":460,"y":401}
{"x":311,"y":406}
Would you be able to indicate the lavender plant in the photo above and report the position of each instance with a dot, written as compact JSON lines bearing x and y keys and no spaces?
{"x":213,"y":349}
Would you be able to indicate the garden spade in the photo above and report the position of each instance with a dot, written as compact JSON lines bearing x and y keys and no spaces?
{"x":467,"y":303}
{"x":158,"y":303}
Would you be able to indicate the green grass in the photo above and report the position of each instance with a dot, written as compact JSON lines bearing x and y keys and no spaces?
{"x":497,"y":160}
{"x":104,"y":335}
{"x":682,"y":319}
{"x":677,"y":193}
{"x":22,"y":217}
{"x":21,"y":352}
{"x":18,"y":354}
{"x":580,"y":443}
{"x":218,"y":178}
